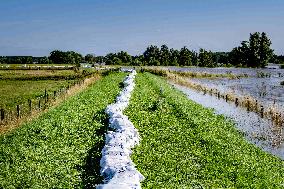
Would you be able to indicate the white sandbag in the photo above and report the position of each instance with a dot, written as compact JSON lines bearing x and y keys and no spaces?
{"x":116,"y":166}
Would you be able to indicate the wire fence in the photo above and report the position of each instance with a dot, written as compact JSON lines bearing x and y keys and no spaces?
{"x":35,"y":105}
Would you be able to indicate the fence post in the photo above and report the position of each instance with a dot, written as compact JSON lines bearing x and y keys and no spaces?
{"x":256,"y":104}
{"x":18,"y":111}
{"x":39,"y":103}
{"x":226,"y":98}
{"x":261,"y":111}
{"x":45,"y":96}
{"x":248,"y":104}
{"x":2,"y":114}
{"x":237,"y":102}
{"x":54,"y":94}
{"x":30,"y":105}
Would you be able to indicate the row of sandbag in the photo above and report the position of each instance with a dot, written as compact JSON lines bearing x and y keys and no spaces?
{"x":116,"y":166}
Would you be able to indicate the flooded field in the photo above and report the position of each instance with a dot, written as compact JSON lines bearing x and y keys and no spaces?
{"x":257,"y":130}
{"x":261,"y":84}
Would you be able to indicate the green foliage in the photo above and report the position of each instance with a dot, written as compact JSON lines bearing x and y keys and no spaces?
{"x":185,"y":57}
{"x":206,"y":58}
{"x":69,"y":57}
{"x":187,"y":146}
{"x":120,"y":58}
{"x":90,"y":58}
{"x":253,"y":53}
{"x":16,"y":59}
{"x":62,"y":148}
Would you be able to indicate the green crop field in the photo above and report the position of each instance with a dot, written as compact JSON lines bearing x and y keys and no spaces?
{"x":60,"y":149}
{"x":187,"y":146}
{"x":18,"y":92}
{"x":17,"y":86}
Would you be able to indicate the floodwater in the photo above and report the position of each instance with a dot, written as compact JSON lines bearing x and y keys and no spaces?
{"x":266,"y":90}
{"x":256,"y":129}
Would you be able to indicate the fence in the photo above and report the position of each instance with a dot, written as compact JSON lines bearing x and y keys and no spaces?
{"x":35,"y":105}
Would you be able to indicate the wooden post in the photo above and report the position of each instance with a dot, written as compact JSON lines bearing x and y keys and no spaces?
{"x":18,"y":111}
{"x":256,"y":104}
{"x":248,"y":105}
{"x":45,"y":96}
{"x":226,"y":98}
{"x":39,"y":104}
{"x":2,"y":114}
{"x":54,"y":94}
{"x":237,"y":102}
{"x":261,"y":111}
{"x":218,"y":95}
{"x":30,"y":106}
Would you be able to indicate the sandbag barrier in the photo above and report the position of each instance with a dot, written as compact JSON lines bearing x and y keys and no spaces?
{"x":116,"y":166}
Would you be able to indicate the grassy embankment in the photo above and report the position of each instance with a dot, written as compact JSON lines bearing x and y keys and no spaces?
{"x":60,"y":149}
{"x":187,"y":146}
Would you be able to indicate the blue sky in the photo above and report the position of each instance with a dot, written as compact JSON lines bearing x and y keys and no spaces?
{"x":36,"y":27}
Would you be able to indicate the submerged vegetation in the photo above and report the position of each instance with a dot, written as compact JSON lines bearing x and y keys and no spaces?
{"x":185,"y":145}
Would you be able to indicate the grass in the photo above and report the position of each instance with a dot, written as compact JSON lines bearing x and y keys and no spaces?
{"x":43,"y":74}
{"x":18,"y":92}
{"x":61,"y":149}
{"x":17,"y":86}
{"x":187,"y":146}
{"x":248,"y":102}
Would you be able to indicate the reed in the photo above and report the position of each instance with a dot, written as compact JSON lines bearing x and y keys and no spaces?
{"x":165,"y":72}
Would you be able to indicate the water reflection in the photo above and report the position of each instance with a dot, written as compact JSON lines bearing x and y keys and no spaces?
{"x":257,"y":130}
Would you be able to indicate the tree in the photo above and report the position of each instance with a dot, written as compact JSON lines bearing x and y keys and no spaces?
{"x":253,"y":53}
{"x":185,"y":57}
{"x":254,"y":46}
{"x":205,"y":58}
{"x":265,"y":52}
{"x":43,"y":60}
{"x":174,"y":57}
{"x":57,"y":57}
{"x":164,"y":55}
{"x":152,"y":55}
{"x":124,"y":57}
{"x":69,"y":57}
{"x":91,"y":58}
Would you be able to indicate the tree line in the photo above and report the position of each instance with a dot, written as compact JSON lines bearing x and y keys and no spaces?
{"x":256,"y":52}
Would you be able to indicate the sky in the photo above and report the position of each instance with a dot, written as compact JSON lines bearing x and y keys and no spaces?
{"x":36,"y":27}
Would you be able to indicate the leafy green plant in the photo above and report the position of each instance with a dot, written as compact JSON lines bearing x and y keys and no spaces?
{"x":184,"y":145}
